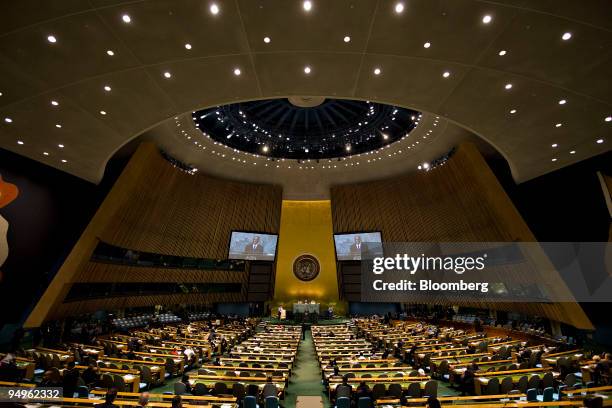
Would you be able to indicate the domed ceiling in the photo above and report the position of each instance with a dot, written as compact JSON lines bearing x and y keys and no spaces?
{"x":306,"y":128}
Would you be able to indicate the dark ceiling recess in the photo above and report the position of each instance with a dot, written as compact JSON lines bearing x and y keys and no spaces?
{"x":306,"y":128}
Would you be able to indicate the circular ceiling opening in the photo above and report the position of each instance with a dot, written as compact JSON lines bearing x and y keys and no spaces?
{"x":305,"y":128}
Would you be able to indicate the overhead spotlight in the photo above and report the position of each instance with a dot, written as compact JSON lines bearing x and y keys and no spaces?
{"x":265,"y":149}
{"x":8,"y":120}
{"x":347,"y":39}
{"x":188,"y":46}
{"x":307,"y":5}
{"x":385,"y":136}
{"x":554,"y":145}
{"x":167,"y":74}
{"x":572,"y":152}
{"x":508,"y":86}
{"x":306,"y":150}
{"x":513,"y":111}
{"x":61,"y":146}
{"x":267,"y":40}
{"x":487,"y":19}
{"x":446,"y":74}
{"x":562,"y":102}
{"x":554,"y":159}
{"x":348,"y":148}
{"x":107,"y":88}
{"x":58,"y":126}
{"x":419,"y":167}
{"x":558,"y":125}
{"x":110,"y":53}
{"x":237,"y":71}
{"x":19,"y":142}
{"x":399,"y":8}
{"x":608,"y":119}
{"x":427,"y":45}
{"x":307,"y":70}
{"x":377,"y":71}
{"x":599,"y":141}
{"x":64,"y":161}
{"x":502,"y":53}
{"x":214,"y":9}
{"x":51,"y":39}
{"x":54,"y":103}
{"x":46,"y":153}
{"x":566,"y":36}
{"x":102,"y":112}
{"x":425,"y":165}
{"x":126,"y":18}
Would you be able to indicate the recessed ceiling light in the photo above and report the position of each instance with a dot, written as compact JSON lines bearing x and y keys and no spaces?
{"x":487,"y":19}
{"x":267,"y":40}
{"x":599,"y":141}
{"x":110,"y":52}
{"x":347,"y":39}
{"x":399,"y":8}
{"x":265,"y":148}
{"x":188,"y":46}
{"x":566,"y":36}
{"x":502,"y":53}
{"x":307,"y":70}
{"x":46,"y":153}
{"x":51,"y":39}
{"x":385,"y":136}
{"x":377,"y":71}
{"x":214,"y":9}
{"x":237,"y":71}
{"x":513,"y":111}
{"x":126,"y":18}
{"x":559,"y":125}
{"x":508,"y":86}
{"x":61,"y":146}
{"x":307,"y":5}
{"x":425,"y":165}
{"x":427,"y":45}
{"x":0,"y":93}
{"x":102,"y":112}
{"x":57,"y":125}
{"x":562,"y":102}
{"x":54,"y":103}
{"x":606,"y":119}
{"x":107,"y":88}
{"x":64,"y":161}
{"x":554,"y":159}
{"x":8,"y":120}
{"x":572,"y":152}
{"x":446,"y":74}
{"x":167,"y":74}
{"x":554,"y":145}
{"x":19,"y":142}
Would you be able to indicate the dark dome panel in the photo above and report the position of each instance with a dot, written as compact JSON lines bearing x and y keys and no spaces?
{"x":331,"y":128}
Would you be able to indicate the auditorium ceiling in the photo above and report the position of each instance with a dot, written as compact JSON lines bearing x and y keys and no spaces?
{"x":79,"y":79}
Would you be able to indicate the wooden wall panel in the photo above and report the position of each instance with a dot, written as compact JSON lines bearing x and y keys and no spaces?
{"x":460,"y":201}
{"x":155,"y":207}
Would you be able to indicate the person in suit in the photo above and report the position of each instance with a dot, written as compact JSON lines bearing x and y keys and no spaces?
{"x":71,"y":379}
{"x":254,"y":247}
{"x":357,"y":247}
{"x":109,"y":398}
{"x":269,"y":389}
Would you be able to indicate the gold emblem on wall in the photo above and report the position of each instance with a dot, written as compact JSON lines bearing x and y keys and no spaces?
{"x":306,"y":267}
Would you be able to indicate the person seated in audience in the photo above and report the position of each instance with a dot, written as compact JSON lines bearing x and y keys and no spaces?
{"x":177,"y":402}
{"x":385,"y":354}
{"x":109,"y":398}
{"x":601,"y":373}
{"x":467,"y":381}
{"x":185,"y":380}
{"x":257,"y":348}
{"x":412,"y":354}
{"x":143,"y":400}
{"x":70,"y":380}
{"x":362,"y":391}
{"x":90,"y":374}
{"x":344,"y":389}
{"x":433,"y":402}
{"x":269,"y":389}
{"x":217,"y":362}
{"x":8,"y":368}
{"x":50,"y":379}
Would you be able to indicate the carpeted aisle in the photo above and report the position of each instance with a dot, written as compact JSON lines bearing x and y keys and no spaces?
{"x":306,"y":375}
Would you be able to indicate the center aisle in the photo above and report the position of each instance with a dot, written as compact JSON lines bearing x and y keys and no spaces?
{"x":306,"y":375}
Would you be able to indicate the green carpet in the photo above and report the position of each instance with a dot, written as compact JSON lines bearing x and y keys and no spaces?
{"x":306,"y":375}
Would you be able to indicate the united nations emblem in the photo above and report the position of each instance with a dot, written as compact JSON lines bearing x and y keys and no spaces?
{"x":306,"y":267}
